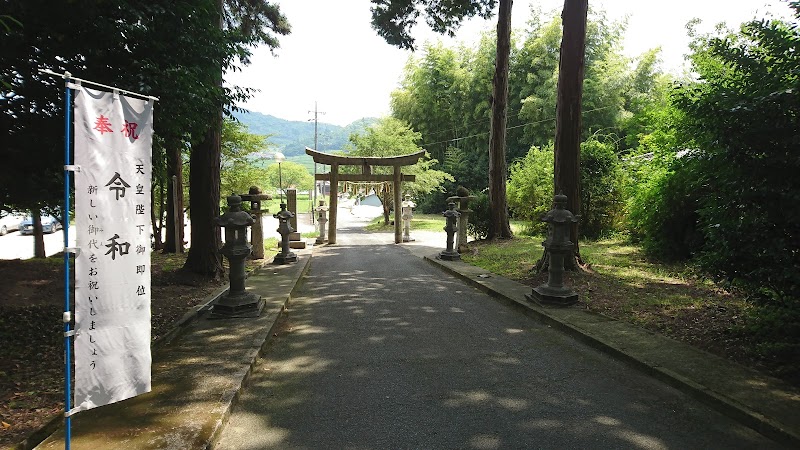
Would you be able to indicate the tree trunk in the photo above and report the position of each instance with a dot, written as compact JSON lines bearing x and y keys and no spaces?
{"x":386,"y":205}
{"x":568,"y":109}
{"x":204,"y":172}
{"x":157,"y":219}
{"x":499,"y":226}
{"x":174,"y":169}
{"x":38,"y":235}
{"x":204,"y":178}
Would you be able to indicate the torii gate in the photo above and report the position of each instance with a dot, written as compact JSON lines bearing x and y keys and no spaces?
{"x":366,"y":163}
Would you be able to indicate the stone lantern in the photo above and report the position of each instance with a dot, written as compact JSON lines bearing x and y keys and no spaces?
{"x":257,"y":231}
{"x":451,"y":215}
{"x":558,"y":246}
{"x":237,"y":302}
{"x":407,"y":214}
{"x":285,"y":229}
{"x":321,"y":221}
{"x":463,"y":198}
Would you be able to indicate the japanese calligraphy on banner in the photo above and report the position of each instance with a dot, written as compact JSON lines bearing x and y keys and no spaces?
{"x":113,"y":139}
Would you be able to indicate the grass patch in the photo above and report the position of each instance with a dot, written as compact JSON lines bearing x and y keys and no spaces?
{"x":511,"y":258}
{"x":303,"y":203}
{"x":665,"y":298}
{"x":420,"y":222}
{"x":167,"y":262}
{"x":270,"y":243}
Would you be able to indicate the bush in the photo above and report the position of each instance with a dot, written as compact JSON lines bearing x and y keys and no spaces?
{"x":601,"y":189}
{"x":432,"y":202}
{"x":663,"y":209}
{"x":530,"y":188}
{"x":742,"y":114}
{"x":478,"y":226}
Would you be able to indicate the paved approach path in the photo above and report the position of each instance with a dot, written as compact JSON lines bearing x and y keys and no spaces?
{"x":381,"y":350}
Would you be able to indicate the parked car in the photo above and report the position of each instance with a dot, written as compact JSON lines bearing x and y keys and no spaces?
{"x":49,"y":225}
{"x":9,"y":222}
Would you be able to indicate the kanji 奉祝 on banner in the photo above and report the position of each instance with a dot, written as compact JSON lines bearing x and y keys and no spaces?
{"x":113,"y":140}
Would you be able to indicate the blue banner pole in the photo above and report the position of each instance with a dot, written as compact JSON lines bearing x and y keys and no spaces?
{"x":67,"y":314}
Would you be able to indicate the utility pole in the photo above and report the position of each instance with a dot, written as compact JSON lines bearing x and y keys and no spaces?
{"x":314,"y":197}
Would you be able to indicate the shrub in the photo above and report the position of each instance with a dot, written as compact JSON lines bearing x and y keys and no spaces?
{"x":530,"y":188}
{"x":478,"y":226}
{"x":663,"y":209}
{"x":601,"y":189}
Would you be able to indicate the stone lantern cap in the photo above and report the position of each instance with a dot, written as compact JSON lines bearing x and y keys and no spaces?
{"x":283,"y":213}
{"x":255,"y":195}
{"x":234,"y":217}
{"x":559,"y":214}
{"x":462,"y":197}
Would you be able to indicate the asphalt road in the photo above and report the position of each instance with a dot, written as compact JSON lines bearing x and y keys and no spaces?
{"x":381,"y":350}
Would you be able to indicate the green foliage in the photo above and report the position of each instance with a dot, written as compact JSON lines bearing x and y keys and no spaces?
{"x":743,"y":115}
{"x":291,"y":174}
{"x":601,"y":189}
{"x":478,"y":225}
{"x":393,"y":19}
{"x":530,"y":188}
{"x":445,"y":95}
{"x":663,"y":210}
{"x":393,"y":137}
{"x":238,"y":168}
{"x":173,"y":49}
{"x":660,"y":187}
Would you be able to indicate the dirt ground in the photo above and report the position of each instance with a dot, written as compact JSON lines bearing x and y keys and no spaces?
{"x":32,"y":355}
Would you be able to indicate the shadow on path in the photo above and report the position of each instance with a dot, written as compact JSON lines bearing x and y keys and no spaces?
{"x":381,"y":350}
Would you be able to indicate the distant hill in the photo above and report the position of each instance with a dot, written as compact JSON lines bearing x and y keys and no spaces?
{"x":292,"y":137}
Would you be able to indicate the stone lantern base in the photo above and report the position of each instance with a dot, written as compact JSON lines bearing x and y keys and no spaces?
{"x":280,"y":258}
{"x":449,"y":256}
{"x":545,"y":295}
{"x":245,"y":304}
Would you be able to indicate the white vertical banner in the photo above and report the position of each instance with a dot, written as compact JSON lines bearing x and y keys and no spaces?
{"x":113,"y":140}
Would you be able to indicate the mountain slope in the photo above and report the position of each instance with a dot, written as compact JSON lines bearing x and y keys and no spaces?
{"x":292,"y":137}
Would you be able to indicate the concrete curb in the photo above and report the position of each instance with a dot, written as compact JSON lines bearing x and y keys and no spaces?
{"x":768,"y":406}
{"x":259,"y":344}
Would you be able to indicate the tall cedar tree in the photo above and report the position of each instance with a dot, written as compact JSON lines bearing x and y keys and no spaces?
{"x":568,"y":108}
{"x":499,"y":226}
{"x":247,"y":23}
{"x":393,"y":20}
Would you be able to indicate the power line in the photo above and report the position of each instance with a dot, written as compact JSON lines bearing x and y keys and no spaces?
{"x":467,"y":125}
{"x":507,"y":128}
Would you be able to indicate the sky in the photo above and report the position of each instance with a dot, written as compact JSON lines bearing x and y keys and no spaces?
{"x":334,"y":59}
